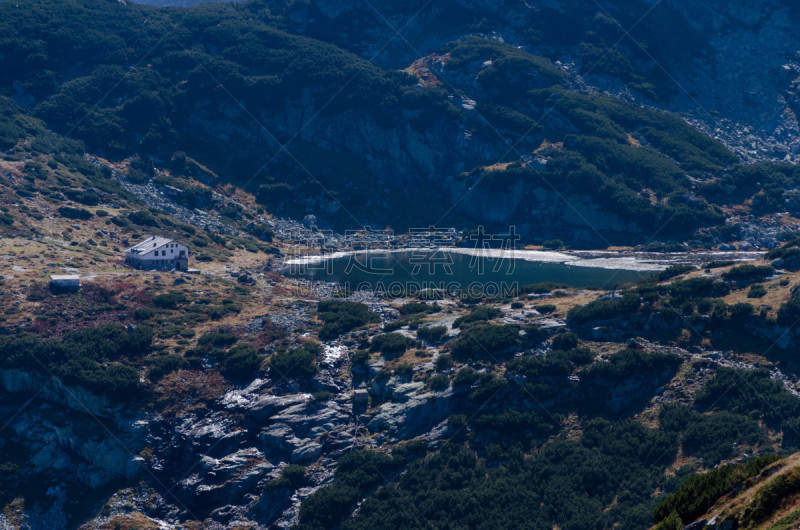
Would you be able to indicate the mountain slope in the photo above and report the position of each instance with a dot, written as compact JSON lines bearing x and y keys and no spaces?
{"x":239,"y":397}
{"x":311,"y":128}
{"x":762,"y":494}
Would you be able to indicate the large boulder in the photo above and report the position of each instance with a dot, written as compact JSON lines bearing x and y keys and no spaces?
{"x":418,"y":415}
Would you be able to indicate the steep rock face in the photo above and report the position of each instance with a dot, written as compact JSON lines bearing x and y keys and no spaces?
{"x":419,"y":413}
{"x":741,"y":90}
{"x":546,"y":213}
{"x":736,"y":89}
{"x":717,"y":14}
{"x":52,"y":389}
{"x":70,"y":431}
{"x":63,"y":447}
{"x":394,"y":152}
{"x":217,"y":461}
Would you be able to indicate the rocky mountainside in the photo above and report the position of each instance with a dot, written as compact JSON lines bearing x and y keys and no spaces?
{"x":729,"y":67}
{"x":236,"y":397}
{"x":495,"y":114}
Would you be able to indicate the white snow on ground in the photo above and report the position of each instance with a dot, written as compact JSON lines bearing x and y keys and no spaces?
{"x":333,"y":353}
{"x":597,"y":259}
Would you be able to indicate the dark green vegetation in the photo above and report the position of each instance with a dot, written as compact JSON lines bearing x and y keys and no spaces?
{"x":411,"y":308}
{"x":672,"y":271}
{"x":165,"y":79}
{"x":391,"y":344}
{"x":487,"y":341}
{"x":712,"y":438}
{"x":534,"y":436}
{"x":292,"y":476}
{"x":480,"y":314}
{"x":100,"y":359}
{"x":751,"y":393}
{"x":431,"y":334}
{"x":358,"y":471}
{"x":771,"y":496}
{"x":787,"y":256}
{"x":295,"y":363}
{"x":456,"y":487}
{"x":240,"y":362}
{"x":340,"y":316}
{"x":700,"y":492}
{"x":502,"y":463}
{"x":748,"y":273}
{"x":691,"y":310}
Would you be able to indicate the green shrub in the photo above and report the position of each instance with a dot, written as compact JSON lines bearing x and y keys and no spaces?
{"x":341,"y":316}
{"x":700,"y":492}
{"x":169,"y":300}
{"x":94,"y":358}
{"x":144,"y":313}
{"x":480,"y":314}
{"x":89,"y":198}
{"x":404,"y":370}
{"x":292,"y":476}
{"x":694,"y":288}
{"x":75,"y":213}
{"x":439,"y":382}
{"x":6,"y":219}
{"x":444,"y":361}
{"x":358,"y":472}
{"x":142,"y":218}
{"x":390,"y":344}
{"x":486,"y":342}
{"x":565,"y":341}
{"x":789,"y":313}
{"x":411,"y":308}
{"x":603,"y":309}
{"x":467,"y":376}
{"x":241,"y":362}
{"x":750,"y":393}
{"x":541,"y":288}
{"x":431,"y":334}
{"x":217,"y":340}
{"x":554,"y":365}
{"x":757,"y":291}
{"x":718,"y":264}
{"x":771,"y":496}
{"x":360,"y":357}
{"x":163,"y":366}
{"x":672,"y":522}
{"x":748,"y":273}
{"x":296,"y":363}
{"x":674,"y":270}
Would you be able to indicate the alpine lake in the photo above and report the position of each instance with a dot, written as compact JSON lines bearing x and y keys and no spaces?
{"x":489,"y":271}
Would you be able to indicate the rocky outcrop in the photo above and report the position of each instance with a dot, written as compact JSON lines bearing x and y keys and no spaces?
{"x":70,"y":431}
{"x":53,"y":390}
{"x":219,"y":459}
{"x":223,"y":481}
{"x":420,"y":413}
{"x":715,"y":15}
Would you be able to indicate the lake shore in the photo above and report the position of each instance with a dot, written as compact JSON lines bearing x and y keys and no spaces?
{"x":602,"y":259}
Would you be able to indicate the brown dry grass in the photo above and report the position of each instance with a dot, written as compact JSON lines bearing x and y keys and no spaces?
{"x":130,"y":521}
{"x":776,"y":295}
{"x":736,"y":505}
